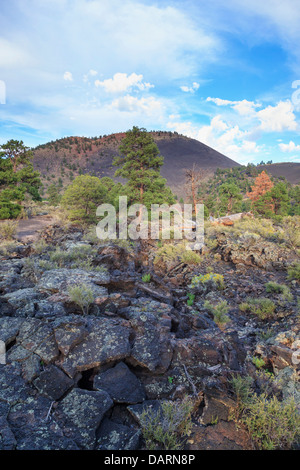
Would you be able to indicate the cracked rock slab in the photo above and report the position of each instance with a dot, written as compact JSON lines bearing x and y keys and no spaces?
{"x":80,"y":413}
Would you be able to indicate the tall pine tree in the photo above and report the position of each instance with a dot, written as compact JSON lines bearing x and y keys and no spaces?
{"x":140,"y":164}
{"x":17,"y":178}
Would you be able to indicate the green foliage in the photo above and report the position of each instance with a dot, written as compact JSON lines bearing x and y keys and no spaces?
{"x":258,"y":362}
{"x":191,"y":298}
{"x":279,"y":289}
{"x":242,"y":388}
{"x":230,"y":198}
{"x":272,"y":424}
{"x":140,"y":164}
{"x":170,"y":253}
{"x":82,"y":296}
{"x":294,"y":271}
{"x":82,"y":197}
{"x":8,"y":229}
{"x":168,"y":428}
{"x":146,"y":278}
{"x":54,"y":196}
{"x":78,"y":257}
{"x":40,"y":246}
{"x":17,"y":178}
{"x":263,"y":308}
{"x":219,"y":311}
{"x":209,"y":281}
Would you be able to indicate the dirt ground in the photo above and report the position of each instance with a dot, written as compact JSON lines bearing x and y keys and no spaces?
{"x":28,"y":229}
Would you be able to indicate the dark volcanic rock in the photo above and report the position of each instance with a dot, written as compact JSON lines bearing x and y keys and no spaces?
{"x":34,"y":430}
{"x":53,"y":383}
{"x":121,"y":384}
{"x":80,"y":413}
{"x":115,"y":436}
{"x":107,"y":341}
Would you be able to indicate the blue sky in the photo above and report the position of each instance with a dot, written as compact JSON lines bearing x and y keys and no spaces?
{"x":225,"y":73}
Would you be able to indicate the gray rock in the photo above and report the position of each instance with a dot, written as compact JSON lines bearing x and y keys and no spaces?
{"x":107,"y":341}
{"x":80,"y":413}
{"x":49,"y":310}
{"x":121,"y":384}
{"x":69,"y":332}
{"x":34,"y":429}
{"x":59,"y":280}
{"x":53,"y":383}
{"x":115,"y":436}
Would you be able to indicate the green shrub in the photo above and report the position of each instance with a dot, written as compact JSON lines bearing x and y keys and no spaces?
{"x":258,"y":362}
{"x":168,"y":428}
{"x":294,"y":271}
{"x":191,"y":298}
{"x":219,"y":311}
{"x":40,"y":246}
{"x":242,"y":388}
{"x":82,"y":296}
{"x":279,"y":289}
{"x":8,"y":229}
{"x":169,"y":253}
{"x":263,"y":308}
{"x":205,"y":282}
{"x":272,"y":424}
{"x":146,"y":278}
{"x":78,"y":257}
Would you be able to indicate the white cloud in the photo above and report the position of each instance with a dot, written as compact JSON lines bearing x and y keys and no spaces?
{"x":190,"y":89}
{"x":91,"y":73}
{"x":132,"y":104}
{"x":13,"y":55}
{"x":278,"y":118}
{"x":243,"y":107}
{"x":122,"y":82}
{"x":68,"y":77}
{"x":229,"y":140}
{"x":290,"y":147}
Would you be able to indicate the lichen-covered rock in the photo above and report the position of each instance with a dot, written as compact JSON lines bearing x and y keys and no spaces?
{"x":116,"y":436}
{"x":53,"y":383}
{"x":9,"y":328}
{"x":12,"y":385}
{"x":68,"y":332}
{"x":252,"y":250}
{"x":34,"y":429}
{"x":21,"y":302}
{"x":121,"y":384}
{"x":59,"y":280}
{"x":80,"y":413}
{"x":107,"y":340}
{"x":152,"y":323}
{"x":39,"y":339}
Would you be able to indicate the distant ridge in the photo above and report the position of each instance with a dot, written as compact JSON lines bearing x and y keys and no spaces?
{"x":64,"y":159}
{"x":288,"y":170}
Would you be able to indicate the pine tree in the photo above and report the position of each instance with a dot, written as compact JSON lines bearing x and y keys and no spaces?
{"x":262,"y":185}
{"x":17,"y":178}
{"x":82,"y":197}
{"x":140,"y":164}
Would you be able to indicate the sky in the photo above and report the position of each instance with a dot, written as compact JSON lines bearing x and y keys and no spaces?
{"x":224,"y":73}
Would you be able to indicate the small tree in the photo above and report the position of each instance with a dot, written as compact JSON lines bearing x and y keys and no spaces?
{"x":231,"y":197}
{"x":54,"y":196}
{"x":82,"y":197}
